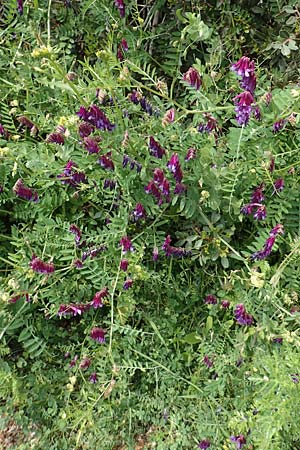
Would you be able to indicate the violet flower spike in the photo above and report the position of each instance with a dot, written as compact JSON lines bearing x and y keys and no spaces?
{"x":241,"y":315}
{"x":91,"y":145}
{"x":93,"y":378}
{"x":98,"y":334}
{"x":39,"y":266}
{"x":127,"y":284}
{"x":76,"y":231}
{"x":191,"y":154}
{"x":25,"y":192}
{"x":211,"y":299}
{"x":192,"y":77}
{"x":156,"y":149}
{"x":278,"y":186}
{"x":208,"y":362}
{"x":55,"y":138}
{"x":239,"y":440}
{"x":126,"y":244}
{"x":204,"y":444}
{"x":121,"y":7}
{"x":243,"y":107}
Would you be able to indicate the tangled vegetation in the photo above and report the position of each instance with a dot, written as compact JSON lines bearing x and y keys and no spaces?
{"x":150,"y":219}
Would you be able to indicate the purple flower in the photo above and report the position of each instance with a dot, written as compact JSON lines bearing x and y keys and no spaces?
{"x":260,"y":213}
{"x":91,"y":145}
{"x":278,"y":229}
{"x":126,"y":244}
{"x":96,"y":117}
{"x":124,"y":264}
{"x":139,"y":212}
{"x":121,"y":7}
{"x":93,"y":252}
{"x":211,"y":299}
{"x":155,"y":254}
{"x":93,"y":378}
{"x":3,"y":132}
{"x":192,"y":77}
{"x":109,"y":184}
{"x":191,"y":154}
{"x":277,"y":340}
{"x":278,"y":185}
{"x":156,"y":149}
{"x":179,"y":189}
{"x":241,"y":315}
{"x":127,"y":284}
{"x":146,"y":106}
{"x":39,"y":266}
{"x":279,"y":125}
{"x":124,"y":45}
{"x":268,"y":245}
{"x":174,"y":166}
{"x":239,"y":440}
{"x":257,"y":113}
{"x":295,"y":378}
{"x":247,"y":209}
{"x":73,"y":309}
{"x":243,"y":107}
{"x":20,"y":7}
{"x":73,"y":361}
{"x":97,"y":301}
{"x":98,"y":334}
{"x":76,"y":231}
{"x":132,"y":163}
{"x":135,"y":97}
{"x":25,"y":192}
{"x":208,"y":362}
{"x":25,"y":122}
{"x":272,"y":165}
{"x":78,"y":263}
{"x":268,"y":98}
{"x":106,"y":162}
{"x":225,"y":304}
{"x":210,"y":126}
{"x":71,"y":176}
{"x":257,"y":195}
{"x":55,"y":138}
{"x":244,"y":67}
{"x":204,"y":444}
{"x":168,"y":117}
{"x":151,"y":188}
{"x":85,"y":363}
{"x":85,"y":129}
{"x":176,"y":252}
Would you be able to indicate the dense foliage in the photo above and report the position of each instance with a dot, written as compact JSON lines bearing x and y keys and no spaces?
{"x":150,"y":217}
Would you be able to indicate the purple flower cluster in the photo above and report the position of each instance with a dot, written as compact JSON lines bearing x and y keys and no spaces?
{"x":241,"y":315}
{"x":156,"y":149}
{"x":56,"y":137}
{"x":168,"y":117}
{"x":278,"y":185}
{"x":244,"y":101}
{"x":211,"y":299}
{"x":91,"y":144}
{"x":192,"y":77}
{"x":98,"y":334}
{"x":97,"y":301}
{"x":93,"y":252}
{"x":132,"y":163}
{"x":268,"y":245}
{"x":71,"y":176}
{"x":124,"y":264}
{"x":279,"y":125}
{"x":76,"y":231}
{"x":26,"y":123}
{"x":25,"y":192}
{"x":245,"y":68}
{"x":95,"y":117}
{"x":204,"y":444}
{"x":239,"y":440}
{"x":159,"y":187}
{"x":127,"y":284}
{"x":139,"y":212}
{"x":126,"y":244}
{"x":211,"y":125}
{"x":191,"y":154}
{"x":106,"y":162}
{"x":255,"y":207}
{"x":73,"y":309}
{"x":20,"y":7}
{"x":122,"y":47}
{"x":3,"y":132}
{"x":109,"y":184}
{"x":208,"y":362}
{"x":176,"y":252}
{"x":137,"y":98}
{"x":85,"y":129}
{"x":243,"y":108}
{"x":121,"y":7}
{"x":40,"y":266}
{"x":174,"y":166}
